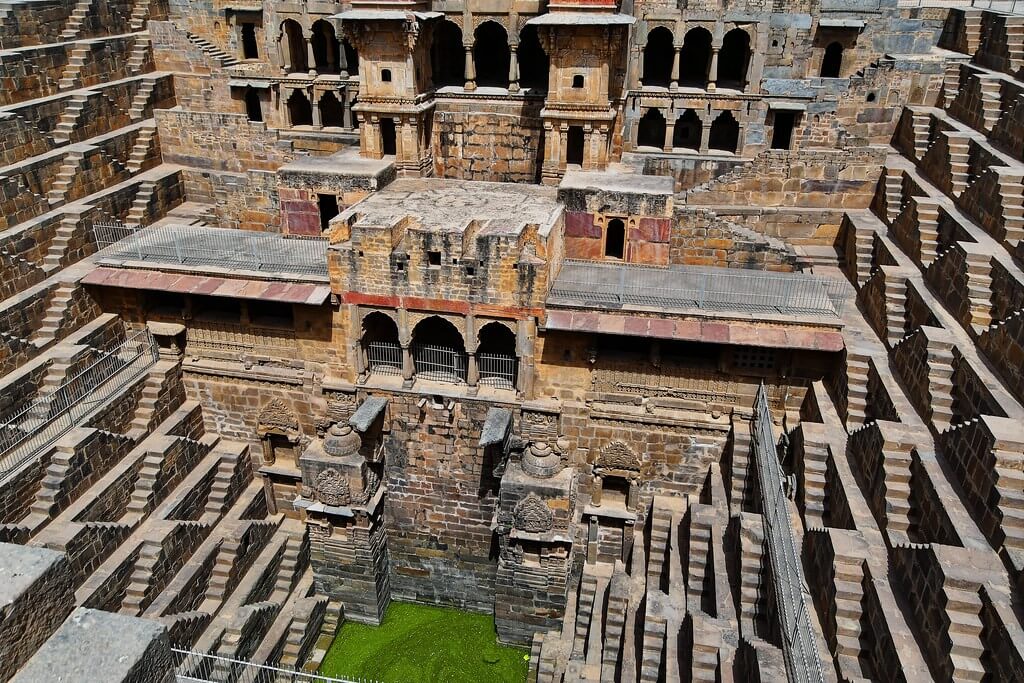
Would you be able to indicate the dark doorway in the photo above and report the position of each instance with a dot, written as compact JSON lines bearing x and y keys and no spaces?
{"x":292,"y":32}
{"x":695,"y":58}
{"x":300,"y":112}
{"x":325,"y":48}
{"x":447,"y":56}
{"x":615,"y":239}
{"x":387,"y":136}
{"x":574,"y":145}
{"x":832,"y":64}
{"x":782,"y":130}
{"x":533,"y":61}
{"x":328,"y":205}
{"x":250,"y":49}
{"x":331,"y":111}
{"x":253,"y":109}
{"x":651,"y":132}
{"x":687,"y":131}
{"x":491,"y":55}
{"x":658,"y":56}
{"x":733,"y":59}
{"x":351,"y":58}
{"x":725,"y":133}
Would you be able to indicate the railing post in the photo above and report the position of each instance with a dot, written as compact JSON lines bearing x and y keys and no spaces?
{"x":703,"y":279}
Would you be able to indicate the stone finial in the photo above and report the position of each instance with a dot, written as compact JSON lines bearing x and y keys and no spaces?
{"x":342,"y":440}
{"x":541,"y":461}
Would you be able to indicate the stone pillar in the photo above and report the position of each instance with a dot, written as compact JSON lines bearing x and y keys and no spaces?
{"x":283,"y":55}
{"x":524,"y":350}
{"x":675,"y":68}
{"x":332,"y":58}
{"x":470,"y":69}
{"x":310,"y":61}
{"x":595,"y":497}
{"x":342,"y":59}
{"x":472,"y":373}
{"x":670,"y":133}
{"x":314,"y":102}
{"x":513,"y":70}
{"x":407,"y":366}
{"x":713,"y":71}
{"x":705,"y":135}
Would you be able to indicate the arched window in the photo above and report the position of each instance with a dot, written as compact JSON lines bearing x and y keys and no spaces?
{"x":295,"y":53}
{"x":491,"y":55}
{"x":832,"y":64}
{"x":658,"y":56}
{"x":300,"y":112}
{"x":438,"y":350}
{"x":615,"y":239}
{"x":380,"y":344}
{"x":325,"y":47}
{"x":687,"y":131}
{"x":733,"y":59}
{"x":695,"y":58}
{"x":651,"y":132}
{"x":574,"y":145}
{"x":496,"y":355}
{"x":331,"y":111}
{"x":447,"y":57}
{"x":725,"y":133}
{"x":533,"y":61}
{"x":253,"y":109}
{"x":387,"y":136}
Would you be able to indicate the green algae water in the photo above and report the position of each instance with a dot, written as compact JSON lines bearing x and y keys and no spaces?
{"x":424,"y":644}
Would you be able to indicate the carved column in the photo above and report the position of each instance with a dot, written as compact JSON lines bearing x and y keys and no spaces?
{"x":513,"y":69}
{"x":705,"y":136}
{"x":284,"y":56}
{"x":342,"y":59}
{"x":405,"y":341}
{"x":675,"y":68}
{"x":310,"y":59}
{"x":670,"y":133}
{"x":470,"y":69}
{"x":713,"y":71}
{"x":315,"y":106}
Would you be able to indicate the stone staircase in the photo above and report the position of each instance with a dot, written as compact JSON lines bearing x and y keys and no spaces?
{"x":963,"y":609}
{"x":140,"y":15}
{"x":75,"y":20}
{"x":72,"y":72}
{"x":212,"y":50}
{"x":140,"y":150}
{"x":139,"y":211}
{"x":64,"y":179}
{"x":53,"y":318}
{"x":139,"y":57}
{"x":848,"y":594}
{"x":856,"y":388}
{"x":137,"y":110}
{"x":752,"y":602}
{"x":62,"y":241}
{"x":68,"y":121}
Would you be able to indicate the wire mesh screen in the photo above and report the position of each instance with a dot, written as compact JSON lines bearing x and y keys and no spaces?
{"x":384,"y":358}
{"x":799,"y":645}
{"x":201,"y":667}
{"x":439,"y":363}
{"x":32,"y":428}
{"x":498,"y":369}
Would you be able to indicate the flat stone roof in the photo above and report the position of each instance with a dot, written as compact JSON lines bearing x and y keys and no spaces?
{"x":346,"y":162}
{"x":446,"y":205}
{"x":625,"y":183}
{"x":21,"y":566}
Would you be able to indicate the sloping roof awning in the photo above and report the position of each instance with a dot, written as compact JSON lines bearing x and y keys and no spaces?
{"x":581,"y":19}
{"x":263,"y":290}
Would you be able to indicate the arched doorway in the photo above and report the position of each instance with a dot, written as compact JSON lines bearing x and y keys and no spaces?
{"x":651,"y":132}
{"x":496,"y":356}
{"x":351,"y":58}
{"x":832,"y":63}
{"x":695,"y":58}
{"x":447,"y":56}
{"x":300,"y":112}
{"x":295,"y":47}
{"x":533,"y":61}
{"x":658,"y":56}
{"x":325,"y":47}
{"x":380,"y":344}
{"x":491,"y":55}
{"x":725,"y":133}
{"x":253,"y":108}
{"x":615,"y":239}
{"x":439,"y":351}
{"x":331,"y":111}
{"x":686,"y":134}
{"x":733,"y":59}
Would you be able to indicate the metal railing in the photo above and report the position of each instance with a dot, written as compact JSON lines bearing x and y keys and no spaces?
{"x":439,"y":363}
{"x":615,"y":285}
{"x":384,"y":358}
{"x":498,"y":369}
{"x":201,"y":667}
{"x":226,"y":248}
{"x":799,"y":646}
{"x":26,"y":432}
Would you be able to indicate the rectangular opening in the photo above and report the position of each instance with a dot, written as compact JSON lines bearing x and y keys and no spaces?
{"x":216,"y":309}
{"x":614,"y":491}
{"x":328,"y":205}
{"x":782,"y":131}
{"x":574,"y":145}
{"x":271,"y":314}
{"x":434,"y":259}
{"x":250,"y":48}
{"x":169,"y":304}
{"x":387,"y":136}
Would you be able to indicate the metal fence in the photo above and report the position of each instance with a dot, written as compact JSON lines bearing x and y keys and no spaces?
{"x":384,"y":358}
{"x":498,"y":369}
{"x":192,"y":245}
{"x":692,"y":287}
{"x":201,"y":667}
{"x":439,"y":363}
{"x":799,"y":646}
{"x":31,"y":429}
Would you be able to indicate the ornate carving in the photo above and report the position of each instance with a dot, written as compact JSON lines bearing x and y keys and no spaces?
{"x":618,"y":456}
{"x":277,"y":417}
{"x":533,"y":515}
{"x":339,"y":409}
{"x":331,"y":488}
{"x":540,"y":425}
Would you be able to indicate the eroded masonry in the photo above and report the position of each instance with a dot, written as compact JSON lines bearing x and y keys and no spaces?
{"x":684,"y":337}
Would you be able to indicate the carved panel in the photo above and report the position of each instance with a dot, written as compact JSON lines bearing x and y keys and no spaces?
{"x":331,"y":488}
{"x":618,"y":456}
{"x":533,"y":515}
